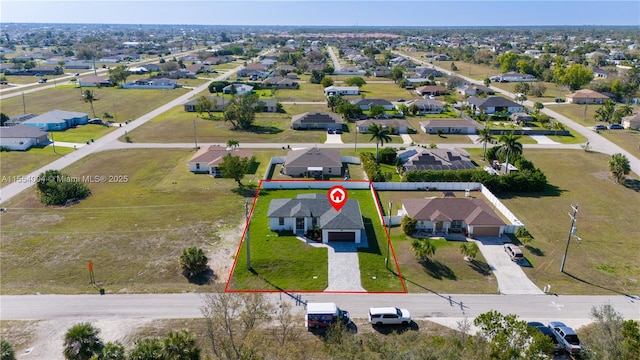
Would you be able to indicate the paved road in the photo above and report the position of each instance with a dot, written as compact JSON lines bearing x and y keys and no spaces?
{"x":597,"y":142}
{"x":334,"y":58}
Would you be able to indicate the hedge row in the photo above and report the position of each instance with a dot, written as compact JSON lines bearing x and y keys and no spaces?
{"x":371,"y":168}
{"x":525,"y":180}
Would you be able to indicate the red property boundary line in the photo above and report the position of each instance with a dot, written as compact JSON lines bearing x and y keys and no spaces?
{"x":398,"y":273}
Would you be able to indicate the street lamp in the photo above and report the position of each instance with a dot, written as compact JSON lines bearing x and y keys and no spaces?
{"x":386,"y":259}
{"x":572,"y":230}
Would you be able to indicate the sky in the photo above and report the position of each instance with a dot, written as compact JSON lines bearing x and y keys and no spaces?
{"x":424,"y":13}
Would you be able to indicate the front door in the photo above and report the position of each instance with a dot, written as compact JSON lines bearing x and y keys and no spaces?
{"x":299,"y":223}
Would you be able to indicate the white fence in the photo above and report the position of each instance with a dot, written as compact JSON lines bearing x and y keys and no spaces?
{"x":274,"y":160}
{"x":435,"y":186}
{"x":311,"y":184}
{"x":515,"y":222}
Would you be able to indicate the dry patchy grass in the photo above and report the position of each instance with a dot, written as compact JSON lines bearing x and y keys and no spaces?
{"x":16,"y":163}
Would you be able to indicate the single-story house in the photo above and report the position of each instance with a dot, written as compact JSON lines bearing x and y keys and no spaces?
{"x":280,"y":83}
{"x":179,"y":74}
{"x":269,"y":105}
{"x":21,"y":137}
{"x":341,"y":90}
{"x":19,"y":119}
{"x":427,"y":106}
{"x":90,"y":80}
{"x":434,"y":90}
{"x":152,"y":83}
{"x":367,"y":104}
{"x":494,"y":104}
{"x":316,"y":120}
{"x":77,"y":64}
{"x":586,"y":96}
{"x":240,"y":89}
{"x":268,"y":62}
{"x":425,"y":72}
{"x":207,"y":160}
{"x":449,"y":126}
{"x":57,"y":120}
{"x":284,"y":69}
{"x":521,"y":117}
{"x":396,"y":126}
{"x":473,"y":216}
{"x":252,"y":69}
{"x":313,"y":162}
{"x":631,"y":121}
{"x":513,"y":76}
{"x":381,"y":72}
{"x":314,"y":211}
{"x":441,"y":57}
{"x":218,"y":103}
{"x":472,"y":90}
{"x":419,"y":158}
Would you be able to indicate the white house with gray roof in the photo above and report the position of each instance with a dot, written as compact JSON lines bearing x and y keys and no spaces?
{"x":313,"y":162}
{"x":20,"y":137}
{"x":313,"y":211}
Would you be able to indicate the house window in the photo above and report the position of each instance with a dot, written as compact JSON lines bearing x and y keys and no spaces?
{"x":197,"y":166}
{"x":456,"y":225}
{"x":329,"y":170}
{"x":281,"y":221}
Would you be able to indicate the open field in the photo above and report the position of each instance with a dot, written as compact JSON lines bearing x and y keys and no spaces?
{"x":306,"y":92}
{"x":132,"y":231}
{"x":16,"y":163}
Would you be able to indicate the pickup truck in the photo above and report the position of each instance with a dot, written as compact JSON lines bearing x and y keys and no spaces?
{"x":566,"y":337}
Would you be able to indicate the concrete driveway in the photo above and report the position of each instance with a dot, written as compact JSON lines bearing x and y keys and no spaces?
{"x":511,"y":279}
{"x":334,"y":139}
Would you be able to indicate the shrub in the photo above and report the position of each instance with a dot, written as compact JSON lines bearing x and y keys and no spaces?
{"x":387,"y":156}
{"x":56,"y":188}
{"x":193,"y":262}
{"x":371,"y":168}
{"x":408,"y":225}
{"x":6,"y":350}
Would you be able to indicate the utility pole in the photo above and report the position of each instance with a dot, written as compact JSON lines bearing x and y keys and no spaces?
{"x":24,"y":105}
{"x":195,"y":133}
{"x":248,"y":238}
{"x":571,"y":231}
{"x":386,"y":259}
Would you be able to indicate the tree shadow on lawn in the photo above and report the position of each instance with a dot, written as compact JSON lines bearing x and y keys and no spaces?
{"x":248,"y":191}
{"x":203,"y":278}
{"x":534,"y":250}
{"x":632,"y":184}
{"x":259,"y":129}
{"x":480,"y":267}
{"x":438,"y":270}
{"x":549,"y":190}
{"x":397,"y":329}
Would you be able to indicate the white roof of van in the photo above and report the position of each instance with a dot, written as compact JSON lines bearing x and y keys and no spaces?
{"x":321,"y":308}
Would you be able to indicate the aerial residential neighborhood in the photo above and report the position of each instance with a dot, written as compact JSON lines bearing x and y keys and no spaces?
{"x":230,"y":190}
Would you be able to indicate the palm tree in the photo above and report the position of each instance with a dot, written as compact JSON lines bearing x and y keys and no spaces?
{"x":485,"y":136}
{"x":193,"y":261}
{"x":81,"y":342}
{"x":89,"y":97}
{"x":180,"y":345}
{"x":619,"y":166}
{"x":113,"y":351}
{"x":146,"y":349}
{"x":232,"y":144}
{"x":380,"y":135}
{"x":423,"y":249}
{"x":510,"y":147}
{"x":469,"y":250}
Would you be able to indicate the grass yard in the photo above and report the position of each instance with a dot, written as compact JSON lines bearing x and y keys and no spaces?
{"x":292,"y":110}
{"x":133,"y":231}
{"x":82,"y":133}
{"x":603,"y":262}
{"x":283,"y":262}
{"x":16,"y":163}
{"x":307,"y":92}
{"x":349,"y":137}
{"x":389,"y":92}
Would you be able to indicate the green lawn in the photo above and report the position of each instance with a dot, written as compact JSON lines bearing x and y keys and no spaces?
{"x":81,"y":134}
{"x":16,"y":163}
{"x":294,"y":265}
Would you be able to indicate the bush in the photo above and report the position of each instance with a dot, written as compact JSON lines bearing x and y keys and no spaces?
{"x":387,"y":156}
{"x":6,"y":350}
{"x":371,"y":168}
{"x":408,"y":225}
{"x":193,"y":262}
{"x":56,"y":188}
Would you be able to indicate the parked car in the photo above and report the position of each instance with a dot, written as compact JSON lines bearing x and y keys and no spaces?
{"x":42,"y":81}
{"x":401,"y":100}
{"x":547,"y":332}
{"x":566,"y":337}
{"x":329,"y":131}
{"x":337,"y":131}
{"x":389,"y":316}
{"x":96,"y":121}
{"x":558,"y":100}
{"x":600,"y":127}
{"x":323,"y":315}
{"x":514,"y":252}
{"x":616,"y":127}
{"x":4,"y":82}
{"x":76,"y":74}
{"x":39,"y":74}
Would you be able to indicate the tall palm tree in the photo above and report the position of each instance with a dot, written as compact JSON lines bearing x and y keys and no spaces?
{"x":81,"y":342}
{"x":423,"y":249}
{"x":619,"y":166}
{"x":380,"y":135}
{"x":232,"y":143}
{"x":485,"y":136}
{"x":510,"y":147}
{"x":89,"y":97}
{"x":180,"y":345}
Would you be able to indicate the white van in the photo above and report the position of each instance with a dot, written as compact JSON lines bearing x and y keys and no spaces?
{"x":323,"y":315}
{"x":389,"y":316}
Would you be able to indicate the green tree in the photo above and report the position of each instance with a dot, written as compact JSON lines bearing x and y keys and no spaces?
{"x":576,"y":76}
{"x":380,"y":135}
{"x":316,"y":76}
{"x":334,"y":101}
{"x":538,"y":106}
{"x":631,"y":335}
{"x":413,"y":109}
{"x":113,"y":351}
{"x":376,"y":110}
{"x":206,"y":104}
{"x":348,"y":110}
{"x":510,"y":147}
{"x":89,"y":97}
{"x":6,"y":350}
{"x":193,"y":262}
{"x":487,"y":82}
{"x":146,"y":349}
{"x":56,"y":188}
{"x":396,"y":73}
{"x":408,"y":225}
{"x":355,"y":81}
{"x":232,"y":144}
{"x":3,"y":118}
{"x":508,"y":62}
{"x":423,"y":249}
{"x":522,"y":88}
{"x":485,"y":137}
{"x":241,"y":111}
{"x":81,"y":342}
{"x":606,"y":112}
{"x":619,"y":167}
{"x":326,"y":81}
{"x":620,"y":112}
{"x":236,"y":167}
{"x":180,"y":345}
{"x":469,"y":249}
{"x":119,"y":74}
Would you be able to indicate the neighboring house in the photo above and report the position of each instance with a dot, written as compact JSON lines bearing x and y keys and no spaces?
{"x":284,"y":68}
{"x":341,"y":90}
{"x":240,"y":89}
{"x":631,"y":121}
{"x":313,"y":162}
{"x":57,"y":120}
{"x":367,"y":104}
{"x":207,"y":160}
{"x":381,"y":72}
{"x":77,"y":65}
{"x":316,"y":120}
{"x":586,"y":96}
{"x":419,"y":158}
{"x":21,"y":137}
{"x":19,"y":119}
{"x":433,"y":90}
{"x":396,"y":126}
{"x":218,"y":103}
{"x":472,"y":90}
{"x":494,"y":104}
{"x":449,"y":126}
{"x":427,"y":106}
{"x":601,"y":73}
{"x":252,"y":69}
{"x":268,"y":62}
{"x":98,"y":81}
{"x":179,"y":74}
{"x":280,"y":82}
{"x":314,"y":211}
{"x":521,"y":117}
{"x":441,"y":57}
{"x":152,"y":83}
{"x":425,"y":72}
{"x":269,"y":105}
{"x":473,"y":216}
{"x":513,"y":76}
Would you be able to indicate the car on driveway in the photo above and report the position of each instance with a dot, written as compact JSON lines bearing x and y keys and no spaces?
{"x":329,"y":131}
{"x":337,"y":131}
{"x":600,"y":127}
{"x":389,"y":315}
{"x":401,"y":100}
{"x":566,"y":337}
{"x":514,"y":252}
{"x":616,"y":127}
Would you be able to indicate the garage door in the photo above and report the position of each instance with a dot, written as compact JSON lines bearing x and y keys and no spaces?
{"x":486,"y":231}
{"x":342,"y":236}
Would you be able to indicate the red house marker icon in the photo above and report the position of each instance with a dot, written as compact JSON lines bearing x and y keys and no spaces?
{"x":337,"y":196}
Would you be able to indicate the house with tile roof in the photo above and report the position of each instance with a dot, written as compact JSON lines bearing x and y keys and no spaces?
{"x":314,"y":211}
{"x":367,"y":104}
{"x":395,"y":126}
{"x":586,"y":96}
{"x":313,"y":162}
{"x":631,"y":121}
{"x":207,"y":159}
{"x":433,"y":90}
{"x":426,"y":106}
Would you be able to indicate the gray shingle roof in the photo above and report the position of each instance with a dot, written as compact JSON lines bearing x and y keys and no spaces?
{"x":317,"y":205}
{"x":56,"y":116}
{"x":20,"y":131}
{"x":317,"y":118}
{"x":313,"y":157}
